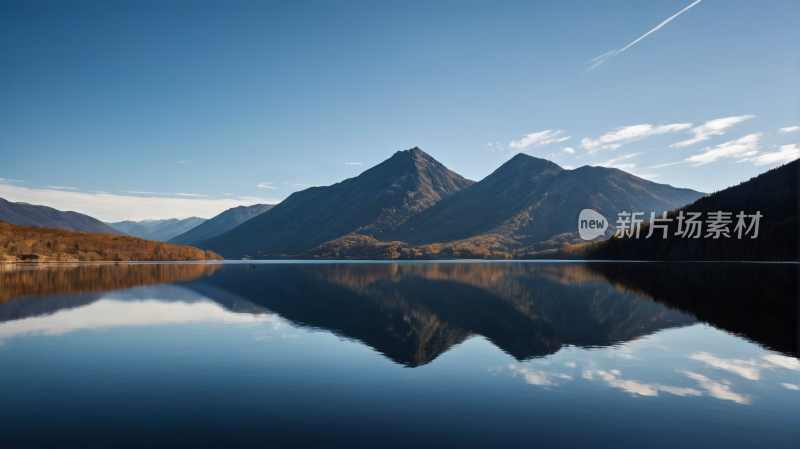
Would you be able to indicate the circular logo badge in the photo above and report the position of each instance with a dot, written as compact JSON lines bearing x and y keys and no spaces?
{"x":591,"y":224}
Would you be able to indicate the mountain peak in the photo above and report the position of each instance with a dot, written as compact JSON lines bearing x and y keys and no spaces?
{"x":372,"y":204}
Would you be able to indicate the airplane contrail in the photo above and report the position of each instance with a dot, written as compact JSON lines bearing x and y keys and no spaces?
{"x":604,"y":57}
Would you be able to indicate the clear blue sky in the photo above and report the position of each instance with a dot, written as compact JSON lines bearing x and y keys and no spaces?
{"x":103,"y":96}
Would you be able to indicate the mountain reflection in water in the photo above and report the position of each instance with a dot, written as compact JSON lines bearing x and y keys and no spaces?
{"x":413,"y":312}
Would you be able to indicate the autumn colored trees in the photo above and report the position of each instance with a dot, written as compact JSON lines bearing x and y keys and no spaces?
{"x":64,"y":246}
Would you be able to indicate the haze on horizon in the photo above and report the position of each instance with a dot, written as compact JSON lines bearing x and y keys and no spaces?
{"x":137,"y":110}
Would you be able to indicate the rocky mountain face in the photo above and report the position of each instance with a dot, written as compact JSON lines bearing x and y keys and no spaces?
{"x":220,"y":224}
{"x":158,"y":230}
{"x":24,"y":214}
{"x":529,"y":200}
{"x":373,"y":204}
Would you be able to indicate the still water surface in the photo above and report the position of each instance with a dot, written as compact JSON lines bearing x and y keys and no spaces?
{"x":400,"y":354}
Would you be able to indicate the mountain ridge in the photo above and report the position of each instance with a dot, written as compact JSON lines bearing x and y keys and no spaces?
{"x":158,"y":230}
{"x":372,"y":203}
{"x":25,"y":214}
{"x":527,"y":200}
{"x":220,"y":224}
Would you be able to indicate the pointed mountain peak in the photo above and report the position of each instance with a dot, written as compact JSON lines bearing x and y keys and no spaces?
{"x":530,"y":164}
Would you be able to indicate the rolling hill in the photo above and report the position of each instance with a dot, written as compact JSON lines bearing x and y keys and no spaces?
{"x":24,"y":214}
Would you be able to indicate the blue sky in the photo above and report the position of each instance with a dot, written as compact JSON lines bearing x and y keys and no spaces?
{"x":203,"y":102}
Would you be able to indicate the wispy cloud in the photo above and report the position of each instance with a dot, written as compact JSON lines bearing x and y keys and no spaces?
{"x":10,"y":180}
{"x":614,"y":163}
{"x":602,"y":58}
{"x":255,"y":198}
{"x":158,"y":193}
{"x":612,"y":378}
{"x":265,"y":186}
{"x":787,"y":153}
{"x":62,"y":188}
{"x":352,"y":163}
{"x":184,"y":162}
{"x":627,"y":134}
{"x":711,"y":128}
{"x":537,"y":139}
{"x":117,"y":207}
{"x":788,"y":129}
{"x":746,"y":146}
{"x":719,"y":390}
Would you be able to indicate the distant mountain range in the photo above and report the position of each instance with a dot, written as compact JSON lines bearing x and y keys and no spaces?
{"x":220,"y":224}
{"x":414,"y":199}
{"x":158,"y":230}
{"x":373,"y":204}
{"x":24,"y":214}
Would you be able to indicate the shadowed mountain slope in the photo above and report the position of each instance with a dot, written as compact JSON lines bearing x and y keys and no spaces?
{"x":373,"y":204}
{"x":773,"y":194}
{"x":24,"y":214}
{"x":158,"y":230}
{"x":220,"y":224}
{"x":528,"y":200}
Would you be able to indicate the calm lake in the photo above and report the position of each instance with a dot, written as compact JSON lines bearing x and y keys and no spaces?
{"x":400,"y":354}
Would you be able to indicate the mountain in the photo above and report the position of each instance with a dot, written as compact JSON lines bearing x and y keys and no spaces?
{"x":24,"y":214}
{"x":220,"y":224}
{"x":158,"y":230}
{"x":773,"y":194}
{"x":372,"y":204}
{"x":528,"y":200}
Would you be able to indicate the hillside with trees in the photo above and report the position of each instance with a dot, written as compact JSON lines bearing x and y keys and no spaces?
{"x":24,"y":243}
{"x":773,"y":195}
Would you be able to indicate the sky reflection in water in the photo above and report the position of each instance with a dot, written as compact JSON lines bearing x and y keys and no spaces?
{"x":392,"y":354}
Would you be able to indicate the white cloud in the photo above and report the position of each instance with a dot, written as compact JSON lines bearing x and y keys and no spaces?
{"x":719,"y":390}
{"x":184,"y":162}
{"x":627,"y":134}
{"x":255,"y":198}
{"x":744,"y":147}
{"x":783,"y":361}
{"x":10,"y":180}
{"x":788,"y":129}
{"x":791,"y":386}
{"x":62,"y":188}
{"x":568,"y":150}
{"x":636,"y":387}
{"x":113,"y":207}
{"x":537,"y":139}
{"x":787,"y":153}
{"x":603,"y":58}
{"x":534,"y":377}
{"x":749,"y":369}
{"x":711,"y":128}
{"x":352,"y":163}
{"x":264,"y":185}
{"x":613,"y":163}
